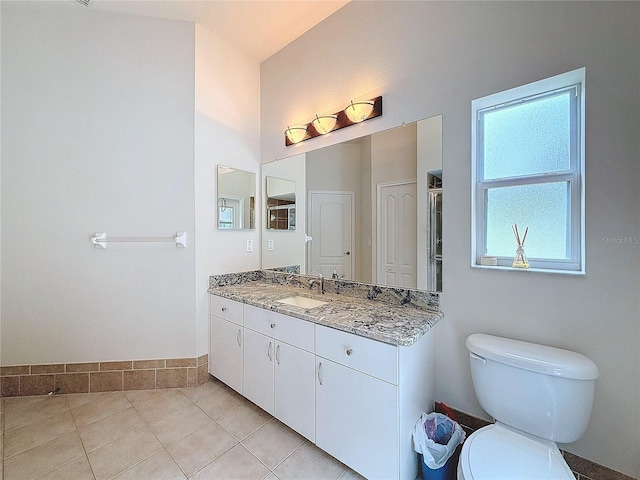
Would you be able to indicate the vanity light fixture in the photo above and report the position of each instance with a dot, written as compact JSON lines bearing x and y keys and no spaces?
{"x":359,"y":111}
{"x":296,"y":134}
{"x":325,"y":123}
{"x":356,"y":112}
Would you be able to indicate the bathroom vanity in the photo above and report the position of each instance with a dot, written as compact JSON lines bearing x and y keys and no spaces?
{"x":351,"y":374}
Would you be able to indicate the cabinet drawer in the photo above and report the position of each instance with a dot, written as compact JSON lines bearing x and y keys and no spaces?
{"x":363,"y":354}
{"x":291,"y":330}
{"x":225,"y":308}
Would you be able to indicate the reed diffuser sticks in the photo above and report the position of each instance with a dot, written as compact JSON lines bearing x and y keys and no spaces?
{"x":520,"y":261}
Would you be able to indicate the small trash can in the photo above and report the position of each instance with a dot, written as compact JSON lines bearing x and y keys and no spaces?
{"x":436,"y":438}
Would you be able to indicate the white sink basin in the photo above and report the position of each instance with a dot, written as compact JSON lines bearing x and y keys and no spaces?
{"x":302,"y":302}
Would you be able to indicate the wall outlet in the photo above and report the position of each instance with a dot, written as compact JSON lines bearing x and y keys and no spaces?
{"x":249,"y":246}
{"x":270,"y":245}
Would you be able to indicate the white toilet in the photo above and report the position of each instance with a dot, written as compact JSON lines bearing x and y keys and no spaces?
{"x":538,"y":396}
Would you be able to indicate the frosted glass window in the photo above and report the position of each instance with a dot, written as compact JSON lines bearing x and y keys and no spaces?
{"x":543,"y":208}
{"x":528,"y":169}
{"x":528,"y":138}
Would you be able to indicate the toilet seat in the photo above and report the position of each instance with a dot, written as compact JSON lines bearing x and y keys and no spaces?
{"x":498,"y":452}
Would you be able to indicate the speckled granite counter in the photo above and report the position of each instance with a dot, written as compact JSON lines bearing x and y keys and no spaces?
{"x":395,"y":316}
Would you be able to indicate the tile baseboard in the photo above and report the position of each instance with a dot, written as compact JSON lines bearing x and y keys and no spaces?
{"x":90,"y":377}
{"x":582,"y":468}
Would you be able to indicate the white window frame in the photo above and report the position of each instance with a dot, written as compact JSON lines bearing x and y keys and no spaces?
{"x":574,"y":176}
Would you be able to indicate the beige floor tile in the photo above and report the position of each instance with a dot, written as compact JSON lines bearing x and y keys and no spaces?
{"x":44,"y":458}
{"x":79,"y":469}
{"x":153,"y":394}
{"x":110,"y":428}
{"x":195,"y":393}
{"x":351,"y":475}
{"x":157,"y":467}
{"x":124,"y":433}
{"x":272,"y":443}
{"x":220,"y":401}
{"x":77,"y":399}
{"x":16,"y":403}
{"x":88,"y":413}
{"x":33,"y":410}
{"x":236,"y":464}
{"x":22,"y":439}
{"x":310,"y":463}
{"x":243,"y":420}
{"x":115,"y":457}
{"x":200,"y":447}
{"x":179,"y":423}
{"x":155,"y":404}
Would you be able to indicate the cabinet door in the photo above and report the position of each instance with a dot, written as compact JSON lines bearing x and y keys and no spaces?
{"x":225,"y":362}
{"x":357,"y":419}
{"x":295,"y":389}
{"x":259,"y":353}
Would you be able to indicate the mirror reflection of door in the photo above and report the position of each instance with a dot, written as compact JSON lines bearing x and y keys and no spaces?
{"x":331,"y":220}
{"x":397,"y":234}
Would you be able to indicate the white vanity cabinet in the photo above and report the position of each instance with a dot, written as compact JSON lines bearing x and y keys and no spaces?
{"x":226,"y":341}
{"x":279,"y":366}
{"x":355,"y":397}
{"x":368,"y":397}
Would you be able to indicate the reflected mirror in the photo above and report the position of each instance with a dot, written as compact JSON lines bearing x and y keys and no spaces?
{"x":236,"y":199}
{"x":281,"y":204}
{"x":369,"y":209}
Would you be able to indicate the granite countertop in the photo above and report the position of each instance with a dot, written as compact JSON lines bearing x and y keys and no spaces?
{"x":399,"y":325}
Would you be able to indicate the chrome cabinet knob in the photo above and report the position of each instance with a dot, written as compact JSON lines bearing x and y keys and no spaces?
{"x":224,"y":309}
{"x":273,"y":325}
{"x":349,"y":352}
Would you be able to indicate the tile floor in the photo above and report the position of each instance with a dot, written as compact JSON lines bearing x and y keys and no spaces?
{"x":207,"y":432}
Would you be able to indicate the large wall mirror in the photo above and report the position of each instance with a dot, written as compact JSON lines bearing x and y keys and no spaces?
{"x":372,"y":209}
{"x":236,"y":199}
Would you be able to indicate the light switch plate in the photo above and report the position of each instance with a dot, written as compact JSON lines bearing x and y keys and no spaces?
{"x":249,"y":246}
{"x":270,"y":245}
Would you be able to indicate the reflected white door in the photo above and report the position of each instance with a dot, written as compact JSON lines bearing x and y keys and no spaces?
{"x":331,"y":222}
{"x":397,"y":234}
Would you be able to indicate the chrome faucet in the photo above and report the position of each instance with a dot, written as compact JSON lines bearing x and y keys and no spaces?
{"x":319,"y":281}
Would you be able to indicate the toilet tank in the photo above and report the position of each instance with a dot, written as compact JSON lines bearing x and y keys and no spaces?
{"x":541,"y":390}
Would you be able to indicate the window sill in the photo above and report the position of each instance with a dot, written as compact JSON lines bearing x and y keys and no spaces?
{"x":536,"y":270}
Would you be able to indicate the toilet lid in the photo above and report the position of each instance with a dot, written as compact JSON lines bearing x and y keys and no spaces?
{"x":498,"y":453}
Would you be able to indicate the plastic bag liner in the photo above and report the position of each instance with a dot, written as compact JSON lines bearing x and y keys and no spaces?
{"x":436,"y":437}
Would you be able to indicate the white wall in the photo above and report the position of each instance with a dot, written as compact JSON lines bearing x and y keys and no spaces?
{"x":429,"y":58}
{"x":116,"y":123}
{"x":97,"y":130}
{"x":227,"y":132}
